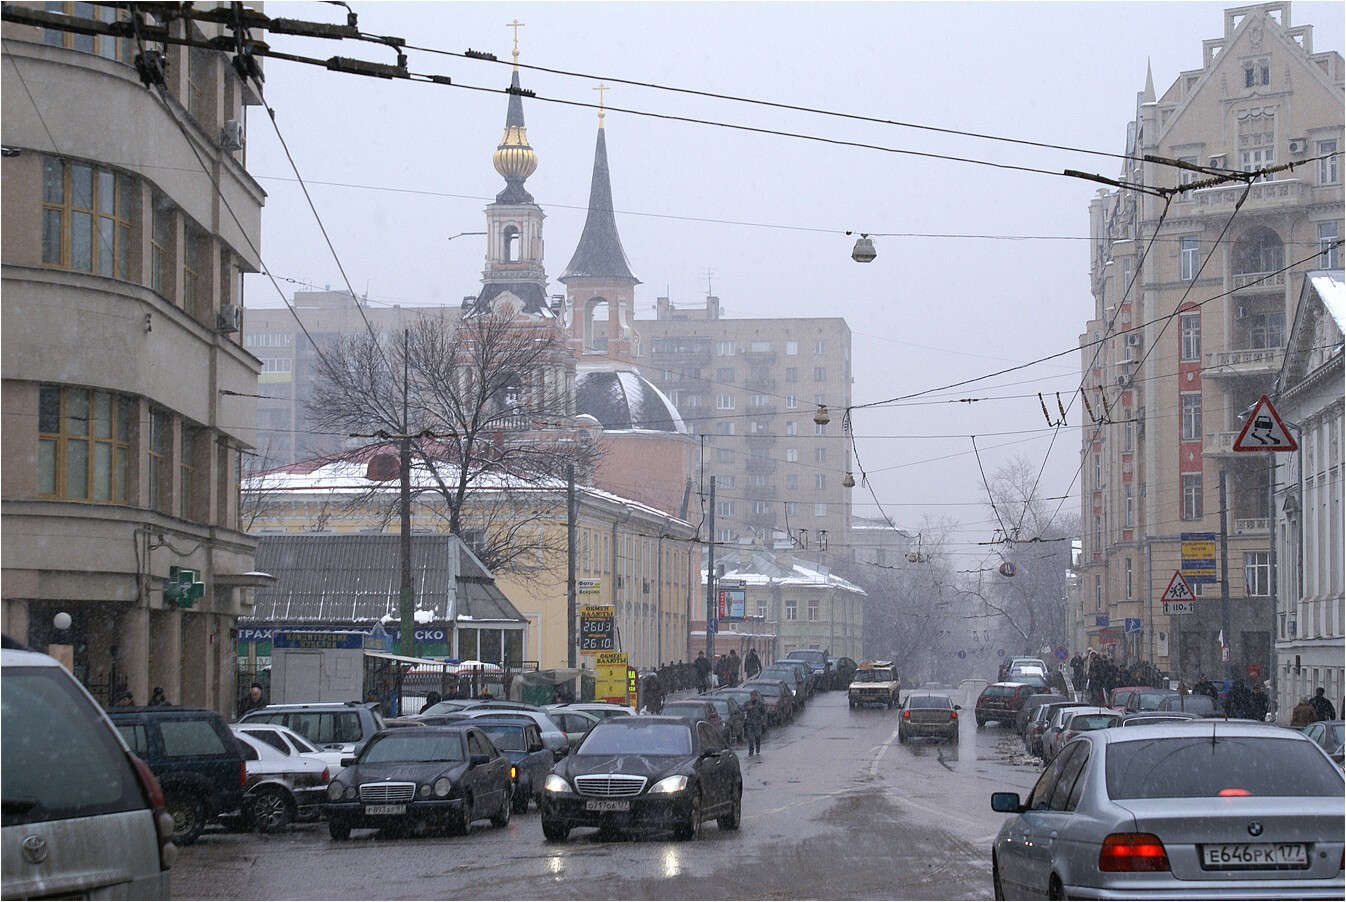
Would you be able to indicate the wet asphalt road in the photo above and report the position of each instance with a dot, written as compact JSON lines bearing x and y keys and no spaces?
{"x":835,"y":808}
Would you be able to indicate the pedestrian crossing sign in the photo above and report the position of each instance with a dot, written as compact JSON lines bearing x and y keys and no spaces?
{"x":1178,"y":590}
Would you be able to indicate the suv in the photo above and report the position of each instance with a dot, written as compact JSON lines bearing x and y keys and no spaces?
{"x":818,"y":662}
{"x":1002,"y":701}
{"x":874,"y":683}
{"x":339,"y":726}
{"x":197,"y":760}
{"x":83,"y":817}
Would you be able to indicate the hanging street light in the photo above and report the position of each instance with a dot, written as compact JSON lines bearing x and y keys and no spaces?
{"x":821,"y":416}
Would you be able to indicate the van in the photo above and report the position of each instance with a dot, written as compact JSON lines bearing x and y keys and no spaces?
{"x":83,"y":818}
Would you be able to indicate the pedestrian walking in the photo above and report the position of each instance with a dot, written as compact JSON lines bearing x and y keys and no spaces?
{"x":654,"y":693}
{"x":752,"y":665}
{"x":754,"y":722}
{"x":702,"y":672}
{"x":732,"y":666}
{"x":253,"y":700}
{"x":1322,"y":708}
{"x":158,"y":697}
{"x":1302,"y":715}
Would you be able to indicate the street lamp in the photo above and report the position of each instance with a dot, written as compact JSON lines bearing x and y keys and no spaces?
{"x":864,"y":251}
{"x":822,"y":417}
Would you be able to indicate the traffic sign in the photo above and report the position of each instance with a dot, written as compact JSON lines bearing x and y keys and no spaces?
{"x":1132,"y":624}
{"x":1180,"y":607}
{"x":1100,"y":620}
{"x":1061,"y":653}
{"x":1008,"y":568}
{"x":1264,"y":431}
{"x":1178,"y":590}
{"x":962,"y":655}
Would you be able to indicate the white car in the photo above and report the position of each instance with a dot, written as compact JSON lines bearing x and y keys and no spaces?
{"x":281,"y":787}
{"x":84,"y":818}
{"x":553,"y":737}
{"x":285,"y":740}
{"x":598,"y":709}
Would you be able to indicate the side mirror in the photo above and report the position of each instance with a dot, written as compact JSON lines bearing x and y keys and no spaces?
{"x":710,"y":753}
{"x":347,"y":762}
{"x":558,"y":754}
{"x":478,"y":760}
{"x":1006,"y":802}
{"x":958,"y":707}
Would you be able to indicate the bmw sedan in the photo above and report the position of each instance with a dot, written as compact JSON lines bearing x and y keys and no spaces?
{"x":1199,"y":810}
{"x":645,"y":773}
{"x":431,"y":777}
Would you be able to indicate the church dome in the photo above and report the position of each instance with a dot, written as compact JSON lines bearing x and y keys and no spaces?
{"x":624,"y":400}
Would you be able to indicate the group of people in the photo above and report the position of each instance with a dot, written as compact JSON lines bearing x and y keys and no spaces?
{"x":727,"y":670}
{"x":1097,"y":675}
{"x":1311,"y":710}
{"x":127,"y":699}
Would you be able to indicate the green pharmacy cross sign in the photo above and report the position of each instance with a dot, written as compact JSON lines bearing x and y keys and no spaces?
{"x":183,"y":586}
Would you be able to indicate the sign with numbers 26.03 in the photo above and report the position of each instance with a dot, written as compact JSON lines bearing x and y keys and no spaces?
{"x":596,"y":629}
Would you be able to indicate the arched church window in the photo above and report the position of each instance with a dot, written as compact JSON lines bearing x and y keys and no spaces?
{"x":512,"y":245}
{"x":596,"y":312}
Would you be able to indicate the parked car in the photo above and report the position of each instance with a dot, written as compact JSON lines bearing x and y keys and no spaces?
{"x":1146,"y":718}
{"x":1052,"y":741}
{"x":1001,"y":702}
{"x":281,"y":787}
{"x":698,"y":709}
{"x":433,"y":777}
{"x":1147,"y":700}
{"x":1202,"y":810}
{"x":530,"y":759}
{"x":574,"y":723}
{"x":1194,"y":703}
{"x":453,"y":705}
{"x":645,"y":773}
{"x":776,"y":695}
{"x":740,"y":695}
{"x":1038,"y":723}
{"x":340,"y":726}
{"x":1120,"y":697}
{"x":1031,"y":704}
{"x":196,"y":759}
{"x":842,"y":669}
{"x":1330,"y":735}
{"x":1029,"y":676}
{"x":1084,"y":720}
{"x":599,"y":709}
{"x":1026,"y":661}
{"x":90,"y":815}
{"x":731,"y":712}
{"x":791,"y":677}
{"x":290,"y":742}
{"x":553,"y":737}
{"x":818,"y":662}
{"x":813,"y":680}
{"x":928,"y":714}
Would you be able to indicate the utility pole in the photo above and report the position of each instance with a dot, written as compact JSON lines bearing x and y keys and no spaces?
{"x":406,"y":604}
{"x":711,"y":625}
{"x":572,"y":615}
{"x":1227,"y":667}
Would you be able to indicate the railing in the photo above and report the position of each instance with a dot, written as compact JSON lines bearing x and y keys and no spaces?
{"x":1263,"y":196}
{"x":1258,"y":281}
{"x":1220,"y":442}
{"x":1247,"y":361}
{"x":1252,"y":525}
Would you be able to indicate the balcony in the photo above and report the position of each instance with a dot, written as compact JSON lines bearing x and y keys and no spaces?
{"x":1249,"y":282}
{"x":766,"y":518}
{"x":759,"y":356}
{"x":1252,"y":526}
{"x":761,"y":465}
{"x":1281,"y":194}
{"x":1247,"y":362}
{"x":1220,"y":444}
{"x":763,"y":384}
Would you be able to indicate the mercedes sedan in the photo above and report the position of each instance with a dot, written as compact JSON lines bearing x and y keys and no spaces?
{"x":645,"y":773}
{"x":1199,"y":810}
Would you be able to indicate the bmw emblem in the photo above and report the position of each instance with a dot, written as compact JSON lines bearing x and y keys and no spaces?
{"x":35,"y":849}
{"x":1255,"y":828}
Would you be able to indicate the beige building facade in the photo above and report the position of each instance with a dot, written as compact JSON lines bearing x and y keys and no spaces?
{"x":1193,"y":300}
{"x":128,"y":220}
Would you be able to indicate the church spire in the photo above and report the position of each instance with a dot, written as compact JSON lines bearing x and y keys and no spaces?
{"x":514,"y":158}
{"x":1148,"y":96}
{"x":599,"y":254}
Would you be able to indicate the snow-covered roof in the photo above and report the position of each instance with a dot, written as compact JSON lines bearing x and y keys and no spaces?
{"x":621,"y":399}
{"x":763,"y":570}
{"x":1329,"y":286}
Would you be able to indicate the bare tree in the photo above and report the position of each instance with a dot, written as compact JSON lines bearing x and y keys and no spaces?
{"x":486,"y":405}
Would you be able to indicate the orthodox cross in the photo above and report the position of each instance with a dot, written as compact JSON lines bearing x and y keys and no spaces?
{"x":600,"y":89}
{"x":516,"y":25}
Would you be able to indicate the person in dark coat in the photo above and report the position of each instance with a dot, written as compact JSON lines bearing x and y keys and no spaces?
{"x":654,"y":693}
{"x":702,"y":672}
{"x":158,"y":697}
{"x":253,"y":700}
{"x":1322,"y":708}
{"x":1238,"y":701}
{"x":731,"y":666}
{"x":754,"y":722}
{"x":752,"y":665}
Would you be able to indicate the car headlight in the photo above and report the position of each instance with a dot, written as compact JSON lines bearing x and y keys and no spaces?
{"x":443,"y":786}
{"x":555,"y":783}
{"x":351,"y":792}
{"x":670,"y":784}
{"x":334,"y":791}
{"x":424,"y":791}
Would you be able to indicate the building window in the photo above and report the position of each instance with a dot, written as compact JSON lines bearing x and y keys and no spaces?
{"x":820,"y":399}
{"x":1259,"y":251}
{"x":160,"y":460}
{"x":193,"y":444}
{"x":162,"y":232}
{"x":1328,"y":173}
{"x":1128,"y":431}
{"x":84,"y":444}
{"x":813,"y":610}
{"x":1191,"y":496}
{"x":1267,"y":330}
{"x":760,"y":347}
{"x":820,"y":429}
{"x":1186,"y":177}
{"x":820,"y":481}
{"x":1329,"y":245}
{"x":1130,"y":584}
{"x":724,"y":427}
{"x":1189,"y":249}
{"x":86,"y":218}
{"x":791,"y":508}
{"x":820,"y":509}
{"x":820,"y":374}
{"x":1191,"y":336}
{"x":792,"y":455}
{"x":791,"y":402}
{"x":725,"y":375}
{"x":761,"y":507}
{"x":819,"y":455}
{"x":195,"y":273}
{"x":1098,"y":593}
{"x":724,"y":349}
{"x":791,"y":427}
{"x":725,"y":482}
{"x":792,"y":348}
{"x":724,"y":508}
{"x":791,"y":609}
{"x":791,"y":481}
{"x":792,"y":374}
{"x":1257,"y":573}
{"x":1256,"y":73}
{"x":200,"y":85}
{"x":105,"y":46}
{"x":761,"y":609}
{"x":1130,"y":511}
{"x":277,"y":364}
{"x":724,"y":455}
{"x":760,"y":401}
{"x":1191,"y":416}
{"x":724,"y":402}
{"x":820,"y":347}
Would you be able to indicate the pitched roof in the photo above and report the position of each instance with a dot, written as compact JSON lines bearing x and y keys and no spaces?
{"x":599,"y":254}
{"x":325,"y":578}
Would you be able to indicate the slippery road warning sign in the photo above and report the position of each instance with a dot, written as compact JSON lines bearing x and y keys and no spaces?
{"x":1264,"y":431}
{"x":1177,"y":590}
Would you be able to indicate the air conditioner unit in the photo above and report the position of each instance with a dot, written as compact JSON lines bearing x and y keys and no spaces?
{"x":229,"y":319}
{"x":1123,"y":380}
{"x":1240,"y":312}
{"x":231,"y":136}
{"x":1133,"y":340}
{"x":1298,"y":145}
{"x":1217,"y":162}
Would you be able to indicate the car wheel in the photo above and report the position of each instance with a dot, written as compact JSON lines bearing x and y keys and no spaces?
{"x":901,"y":737}
{"x":852,"y":704}
{"x":981,"y":724}
{"x":463,"y":822}
{"x":339,"y":829}
{"x":553,"y":831}
{"x":271,"y":810}
{"x":520,"y":799}
{"x":953,"y":737}
{"x":691,"y":829}
{"x":189,"y":816}
{"x":731,"y":820}
{"x":1054,"y":888}
{"x":501,"y":817}
{"x":998,"y":892}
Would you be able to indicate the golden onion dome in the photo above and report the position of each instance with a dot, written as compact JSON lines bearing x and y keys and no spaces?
{"x":514,"y":158}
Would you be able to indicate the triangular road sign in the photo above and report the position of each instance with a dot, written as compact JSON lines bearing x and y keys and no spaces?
{"x":1178,"y":590}
{"x":1264,"y":431}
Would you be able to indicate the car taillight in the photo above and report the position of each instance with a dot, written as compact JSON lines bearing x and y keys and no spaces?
{"x":163,"y":821}
{"x":243,"y":774}
{"x":906,"y":715}
{"x":1132,"y":852}
{"x":953,"y":715}
{"x":326,"y":775}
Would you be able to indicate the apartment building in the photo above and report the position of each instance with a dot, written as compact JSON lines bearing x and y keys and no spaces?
{"x":128,"y":219}
{"x":1192,"y":300}
{"x":754,"y":393}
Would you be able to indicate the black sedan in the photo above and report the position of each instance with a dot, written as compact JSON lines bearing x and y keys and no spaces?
{"x":645,"y":773}
{"x":530,"y":760}
{"x":431,"y":777}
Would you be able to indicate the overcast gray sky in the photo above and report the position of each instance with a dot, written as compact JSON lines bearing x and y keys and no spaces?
{"x":395,"y":168}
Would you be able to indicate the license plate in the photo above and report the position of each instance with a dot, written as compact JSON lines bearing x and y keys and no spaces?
{"x":385,"y":809}
{"x":1232,"y":856}
{"x":607,"y":805}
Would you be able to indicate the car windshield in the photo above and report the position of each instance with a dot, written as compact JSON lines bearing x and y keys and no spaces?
{"x":929,"y":701}
{"x":1334,"y":733}
{"x":506,"y":739}
{"x":685,"y":710}
{"x":1149,"y":701}
{"x":1195,"y":767}
{"x":637,"y":736}
{"x":414,"y":745}
{"x":779,"y":673}
{"x":871,"y":675}
{"x":812,"y":656}
{"x":1083,"y":722}
{"x":1196,"y":704}
{"x":770,"y":690}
